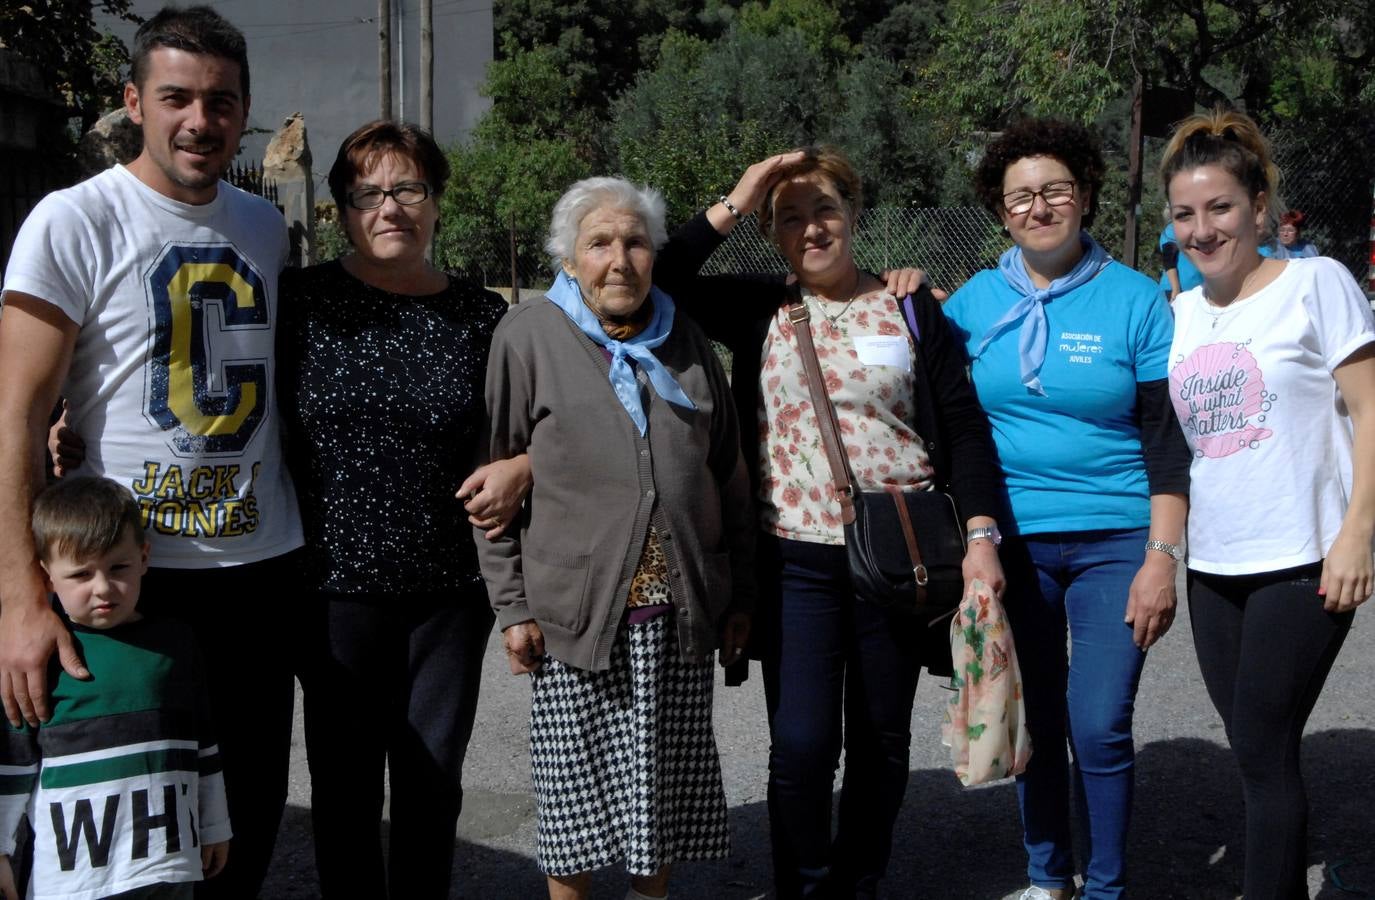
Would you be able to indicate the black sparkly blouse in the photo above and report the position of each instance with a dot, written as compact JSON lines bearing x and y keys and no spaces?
{"x":382,"y":400}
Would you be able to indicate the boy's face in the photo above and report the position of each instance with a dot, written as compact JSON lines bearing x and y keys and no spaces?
{"x":100,"y":592}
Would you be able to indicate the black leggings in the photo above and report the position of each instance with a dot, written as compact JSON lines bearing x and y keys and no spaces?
{"x":1265,"y":646}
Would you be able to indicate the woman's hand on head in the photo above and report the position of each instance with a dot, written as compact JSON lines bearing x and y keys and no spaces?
{"x":493,"y":494}
{"x":752,"y":187}
{"x":524,"y":647}
{"x":1347,"y":579}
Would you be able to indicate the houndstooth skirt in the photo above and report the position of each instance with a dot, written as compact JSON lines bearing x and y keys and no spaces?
{"x":624,"y":761}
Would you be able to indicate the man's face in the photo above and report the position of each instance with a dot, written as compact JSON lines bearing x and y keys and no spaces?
{"x":193,"y":112}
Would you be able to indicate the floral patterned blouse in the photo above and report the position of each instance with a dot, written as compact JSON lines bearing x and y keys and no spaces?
{"x":866,"y":357}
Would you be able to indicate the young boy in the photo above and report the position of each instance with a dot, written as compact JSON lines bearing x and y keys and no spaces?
{"x":122,"y":786}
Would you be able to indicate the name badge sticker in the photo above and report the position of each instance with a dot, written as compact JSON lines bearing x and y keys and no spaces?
{"x":884,"y":350}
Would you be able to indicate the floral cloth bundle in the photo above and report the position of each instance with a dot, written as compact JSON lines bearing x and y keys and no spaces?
{"x":985,"y":721}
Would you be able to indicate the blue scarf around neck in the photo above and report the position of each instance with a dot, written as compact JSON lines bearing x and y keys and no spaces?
{"x":1030,"y":307}
{"x":567,"y":296}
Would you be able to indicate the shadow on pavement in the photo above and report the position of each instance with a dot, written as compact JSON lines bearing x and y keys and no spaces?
{"x":952,"y":842}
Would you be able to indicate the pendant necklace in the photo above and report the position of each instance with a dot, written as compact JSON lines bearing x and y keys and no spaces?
{"x":833,"y":319}
{"x":1217,"y":312}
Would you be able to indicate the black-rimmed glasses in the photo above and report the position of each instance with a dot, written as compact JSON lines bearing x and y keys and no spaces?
{"x":1056,"y":193}
{"x":407,"y":194}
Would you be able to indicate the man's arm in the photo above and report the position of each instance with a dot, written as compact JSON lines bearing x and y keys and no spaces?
{"x":36,"y":341}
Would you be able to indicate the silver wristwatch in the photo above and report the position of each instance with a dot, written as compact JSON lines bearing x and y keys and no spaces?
{"x":987,"y":532}
{"x":1175,"y":552}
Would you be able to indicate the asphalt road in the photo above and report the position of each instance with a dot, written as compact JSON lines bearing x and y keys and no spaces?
{"x":950,"y":842}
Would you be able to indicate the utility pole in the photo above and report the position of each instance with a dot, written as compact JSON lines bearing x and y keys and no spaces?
{"x":1129,"y":241}
{"x":384,"y":57}
{"x":427,"y":65}
{"x":515,"y":275}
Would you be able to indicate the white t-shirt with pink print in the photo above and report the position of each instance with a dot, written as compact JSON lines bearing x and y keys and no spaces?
{"x":1253,"y":386}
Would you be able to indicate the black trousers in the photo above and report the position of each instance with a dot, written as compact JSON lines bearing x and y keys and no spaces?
{"x":390,"y":684}
{"x":841,"y":672}
{"x":1265,"y":646}
{"x":242,"y":617}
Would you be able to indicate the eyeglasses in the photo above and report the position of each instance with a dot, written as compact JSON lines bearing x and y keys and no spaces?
{"x":407,"y":194}
{"x":1057,"y":193}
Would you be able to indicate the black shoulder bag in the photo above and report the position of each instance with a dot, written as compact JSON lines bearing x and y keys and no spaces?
{"x":905,"y":548}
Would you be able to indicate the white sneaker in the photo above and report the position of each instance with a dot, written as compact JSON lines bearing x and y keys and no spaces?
{"x":1040,"y":893}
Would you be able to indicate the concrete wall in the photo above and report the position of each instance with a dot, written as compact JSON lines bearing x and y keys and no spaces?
{"x":316,"y":57}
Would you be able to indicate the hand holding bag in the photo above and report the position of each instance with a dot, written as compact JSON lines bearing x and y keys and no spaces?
{"x":985,"y":720}
{"x":905,"y":548}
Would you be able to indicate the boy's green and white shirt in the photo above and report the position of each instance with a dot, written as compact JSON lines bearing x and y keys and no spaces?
{"x":123,"y":785}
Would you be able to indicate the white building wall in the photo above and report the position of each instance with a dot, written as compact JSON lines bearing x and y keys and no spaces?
{"x":319,"y":57}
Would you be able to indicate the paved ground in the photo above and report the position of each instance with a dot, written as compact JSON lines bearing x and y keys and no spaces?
{"x":950,"y":842}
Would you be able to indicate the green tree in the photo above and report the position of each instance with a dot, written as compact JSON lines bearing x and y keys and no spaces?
{"x":693,"y":124}
{"x":1004,"y":58}
{"x":908,"y":34}
{"x":82,"y":64}
{"x":818,"y":22}
{"x":600,"y":46}
{"x":897,"y":155}
{"x":522,"y":155}
{"x":1027,"y":57}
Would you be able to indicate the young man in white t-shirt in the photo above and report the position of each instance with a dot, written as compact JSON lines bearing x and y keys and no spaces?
{"x":147,"y":297}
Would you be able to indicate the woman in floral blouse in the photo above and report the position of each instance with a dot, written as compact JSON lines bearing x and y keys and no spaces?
{"x":811,"y":634}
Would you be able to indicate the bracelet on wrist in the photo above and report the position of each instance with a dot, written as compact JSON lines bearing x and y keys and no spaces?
{"x":1168,"y":549}
{"x":730,"y":207}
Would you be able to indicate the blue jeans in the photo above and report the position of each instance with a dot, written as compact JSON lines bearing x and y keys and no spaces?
{"x":1076,"y":582}
{"x":835,"y":662}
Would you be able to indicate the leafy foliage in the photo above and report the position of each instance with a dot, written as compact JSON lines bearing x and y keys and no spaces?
{"x":522,"y":155}
{"x":81,"y":64}
{"x":685,"y":95}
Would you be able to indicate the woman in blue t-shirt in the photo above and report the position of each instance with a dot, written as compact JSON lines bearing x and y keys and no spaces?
{"x":1069,"y":354}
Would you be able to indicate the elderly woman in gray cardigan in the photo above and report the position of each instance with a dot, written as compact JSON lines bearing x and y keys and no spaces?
{"x":633,"y":559}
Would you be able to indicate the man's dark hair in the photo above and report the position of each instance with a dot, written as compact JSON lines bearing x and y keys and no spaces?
{"x":195,"y":29}
{"x":83,"y":517}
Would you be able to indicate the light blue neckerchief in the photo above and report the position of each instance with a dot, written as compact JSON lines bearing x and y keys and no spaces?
{"x":567,"y":296}
{"x":1030,"y":309}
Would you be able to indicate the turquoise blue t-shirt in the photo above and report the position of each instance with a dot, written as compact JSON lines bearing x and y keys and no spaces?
{"x":1072,"y":458}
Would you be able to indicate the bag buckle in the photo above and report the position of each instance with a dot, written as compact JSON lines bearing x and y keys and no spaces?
{"x":922,"y":577}
{"x":798,"y":313}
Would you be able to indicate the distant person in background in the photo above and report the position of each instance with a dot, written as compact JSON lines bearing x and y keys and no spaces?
{"x":1178,"y":274}
{"x":1291,"y":243}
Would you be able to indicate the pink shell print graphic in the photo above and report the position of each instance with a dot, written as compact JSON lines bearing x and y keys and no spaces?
{"x":1219,"y":394}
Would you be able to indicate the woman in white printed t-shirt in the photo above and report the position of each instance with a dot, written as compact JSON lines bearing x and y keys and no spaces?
{"x":1272,"y":374}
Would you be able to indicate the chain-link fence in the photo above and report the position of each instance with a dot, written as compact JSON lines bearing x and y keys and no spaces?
{"x":1331,"y":184}
{"x":950,"y":244}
